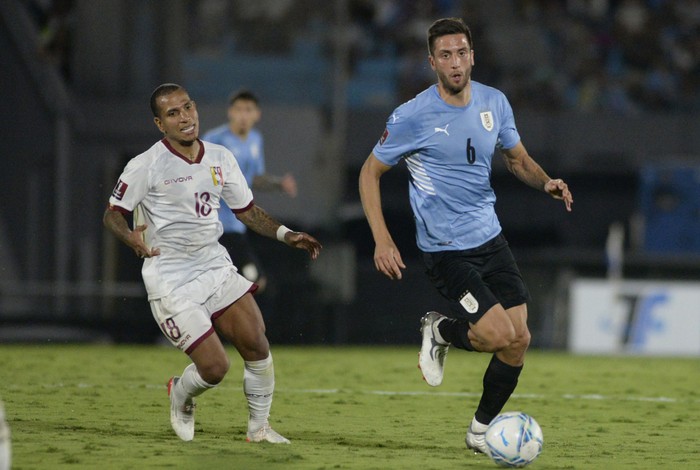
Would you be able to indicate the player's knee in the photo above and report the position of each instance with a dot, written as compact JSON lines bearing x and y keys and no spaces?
{"x":216,"y":370}
{"x":260,"y":350}
{"x":517,"y":348}
{"x":523,"y":339}
{"x":503,"y":339}
{"x":495,"y":337}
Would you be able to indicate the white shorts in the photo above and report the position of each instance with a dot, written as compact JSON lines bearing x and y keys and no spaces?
{"x":185,"y":315}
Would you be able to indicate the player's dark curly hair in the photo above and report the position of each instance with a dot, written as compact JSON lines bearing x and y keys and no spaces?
{"x":445,"y":26}
{"x":162,"y":90}
{"x":242,"y":94}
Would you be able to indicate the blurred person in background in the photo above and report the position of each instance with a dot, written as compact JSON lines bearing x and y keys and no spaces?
{"x":240,"y":136}
{"x":174,"y":190}
{"x":447,"y":135}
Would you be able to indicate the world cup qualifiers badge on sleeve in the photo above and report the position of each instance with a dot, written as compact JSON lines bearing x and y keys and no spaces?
{"x":119,"y":190}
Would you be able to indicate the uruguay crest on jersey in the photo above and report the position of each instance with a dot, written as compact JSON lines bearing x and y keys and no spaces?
{"x":487,"y":120}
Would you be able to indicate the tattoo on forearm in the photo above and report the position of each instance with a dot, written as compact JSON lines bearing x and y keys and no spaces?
{"x":260,"y":221}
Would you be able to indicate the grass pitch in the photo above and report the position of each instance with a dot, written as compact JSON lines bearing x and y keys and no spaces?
{"x":84,"y":406}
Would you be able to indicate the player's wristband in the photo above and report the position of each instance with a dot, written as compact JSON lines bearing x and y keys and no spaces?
{"x":282,"y":231}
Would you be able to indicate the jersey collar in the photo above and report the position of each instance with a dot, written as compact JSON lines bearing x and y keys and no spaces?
{"x":200,"y":154}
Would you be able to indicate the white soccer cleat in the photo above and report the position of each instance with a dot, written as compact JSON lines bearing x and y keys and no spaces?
{"x":476,"y":441}
{"x":181,"y":415}
{"x":431,"y":358}
{"x":266,"y":434}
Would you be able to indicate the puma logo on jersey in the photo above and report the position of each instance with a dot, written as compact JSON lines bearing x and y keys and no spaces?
{"x":440,"y":129}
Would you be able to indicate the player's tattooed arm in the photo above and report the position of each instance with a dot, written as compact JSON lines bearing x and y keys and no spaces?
{"x":260,"y":221}
{"x":117,"y":224}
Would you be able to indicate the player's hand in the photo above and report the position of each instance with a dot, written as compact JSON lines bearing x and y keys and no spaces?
{"x":303,"y":241}
{"x":137,"y":244}
{"x":560,"y":190}
{"x":289,"y":185}
{"x":387,"y":260}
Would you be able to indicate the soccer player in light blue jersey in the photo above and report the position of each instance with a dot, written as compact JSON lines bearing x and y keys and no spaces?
{"x":240,"y":136}
{"x":447,"y":135}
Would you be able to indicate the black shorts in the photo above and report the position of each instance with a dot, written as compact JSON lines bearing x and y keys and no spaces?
{"x":243,"y":256}
{"x":475,"y":280}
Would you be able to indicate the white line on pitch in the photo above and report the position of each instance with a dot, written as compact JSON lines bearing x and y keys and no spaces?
{"x":330,"y":391}
{"x":535,"y":396}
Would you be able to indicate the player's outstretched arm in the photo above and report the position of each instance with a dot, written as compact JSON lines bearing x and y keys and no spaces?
{"x":260,"y":222}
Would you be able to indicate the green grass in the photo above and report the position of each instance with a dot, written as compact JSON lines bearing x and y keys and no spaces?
{"x":80,"y":406}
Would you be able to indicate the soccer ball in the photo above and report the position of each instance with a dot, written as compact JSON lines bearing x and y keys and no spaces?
{"x":514,"y":439}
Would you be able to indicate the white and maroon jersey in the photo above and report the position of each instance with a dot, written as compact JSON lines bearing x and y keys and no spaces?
{"x":179,"y":200}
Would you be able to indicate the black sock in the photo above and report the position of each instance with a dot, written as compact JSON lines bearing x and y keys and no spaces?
{"x":500,"y":380}
{"x":455,"y":332}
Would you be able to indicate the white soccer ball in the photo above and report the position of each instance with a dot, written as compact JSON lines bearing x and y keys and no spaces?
{"x":514,"y":439}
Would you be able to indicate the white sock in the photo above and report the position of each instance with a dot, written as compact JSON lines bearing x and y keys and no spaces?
{"x":478,"y":427}
{"x":5,"y":449}
{"x":258,"y":386}
{"x":190,"y":384}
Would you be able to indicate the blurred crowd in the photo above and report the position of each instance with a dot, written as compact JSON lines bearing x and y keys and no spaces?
{"x":624,"y":56}
{"x":612,"y":56}
{"x":55,"y":21}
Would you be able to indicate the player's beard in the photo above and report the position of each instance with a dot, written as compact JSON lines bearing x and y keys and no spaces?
{"x":187,"y":143}
{"x":450,"y":87}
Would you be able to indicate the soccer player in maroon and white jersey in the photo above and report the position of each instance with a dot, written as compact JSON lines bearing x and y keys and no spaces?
{"x":196,"y":295}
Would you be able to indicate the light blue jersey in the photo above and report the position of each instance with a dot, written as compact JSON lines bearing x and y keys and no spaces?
{"x":251,"y":159}
{"x":448,"y":151}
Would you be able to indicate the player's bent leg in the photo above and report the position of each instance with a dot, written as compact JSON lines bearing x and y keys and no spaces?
{"x":210,"y":359}
{"x":243,"y":325}
{"x":209,"y":367}
{"x":514,"y":353}
{"x":493,"y":332}
{"x":186,"y":324}
{"x":259,"y":387}
{"x":500,"y":378}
